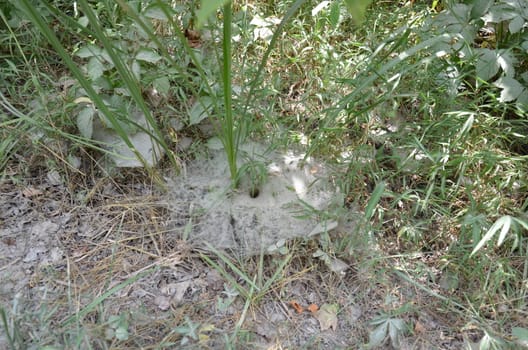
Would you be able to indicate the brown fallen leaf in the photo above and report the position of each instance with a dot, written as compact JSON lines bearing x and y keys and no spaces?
{"x":298,"y":308}
{"x":193,"y":37}
{"x":419,"y":328}
{"x":327,"y":316}
{"x":313,"y":308}
{"x":31,"y":192}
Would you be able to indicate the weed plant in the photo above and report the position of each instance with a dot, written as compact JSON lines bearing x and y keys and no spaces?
{"x":420,"y":112}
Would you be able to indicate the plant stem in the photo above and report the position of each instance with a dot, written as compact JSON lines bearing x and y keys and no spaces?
{"x":229,"y":125}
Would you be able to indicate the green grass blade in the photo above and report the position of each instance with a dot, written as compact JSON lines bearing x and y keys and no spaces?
{"x":231,"y":148}
{"x":5,"y":325}
{"x":277,"y":273}
{"x":374,"y":200}
{"x":232,"y":266}
{"x":243,"y":291}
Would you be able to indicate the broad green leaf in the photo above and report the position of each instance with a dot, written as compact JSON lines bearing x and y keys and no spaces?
{"x":396,"y":330}
{"x":480,"y":7}
{"x":522,"y":99}
{"x":155,"y":11}
{"x":89,"y":50}
{"x":378,"y":335}
{"x":521,"y":334}
{"x":500,"y":12}
{"x":121,"y":333}
{"x":487,"y":64}
{"x":83,"y":21}
{"x":516,"y":24}
{"x":85,"y":121}
{"x":374,"y":199}
{"x":148,"y":55}
{"x":507,"y":62}
{"x":524,"y":45}
{"x":95,"y":68}
{"x":357,"y":9}
{"x":136,"y":69}
{"x":114,"y":321}
{"x":511,"y":89}
{"x":162,"y":85}
{"x":200,"y":110}
{"x":207,"y":8}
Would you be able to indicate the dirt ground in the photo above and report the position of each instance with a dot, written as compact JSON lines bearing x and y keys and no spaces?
{"x":111,"y":263}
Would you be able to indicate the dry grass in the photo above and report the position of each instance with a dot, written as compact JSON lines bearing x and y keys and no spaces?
{"x":124,"y":233}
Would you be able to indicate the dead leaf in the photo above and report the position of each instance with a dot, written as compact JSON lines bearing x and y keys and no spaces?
{"x":298,"y":308}
{"x":338,"y":266}
{"x":31,"y":192}
{"x":163,"y":302}
{"x":419,"y":328}
{"x":9,"y":241}
{"x":313,"y":308}
{"x":327,"y":316}
{"x":175,"y":290}
{"x":193,"y":37}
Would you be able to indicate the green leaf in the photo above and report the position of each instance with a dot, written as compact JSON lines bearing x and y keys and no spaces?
{"x":148,"y":55}
{"x":121,"y":333}
{"x":396,"y":330}
{"x":207,"y":8}
{"x":502,"y":224}
{"x":89,"y":50}
{"x":507,"y":62}
{"x":511,"y":89}
{"x":523,"y":223}
{"x":136,"y":69}
{"x":155,"y":11}
{"x":162,"y":85}
{"x":378,"y":335}
{"x":334,"y":15}
{"x":487,"y":64}
{"x":521,"y":334}
{"x":200,"y":110}
{"x":505,"y":229}
{"x":357,"y":9}
{"x":95,"y":68}
{"x":114,"y":321}
{"x":374,"y":199}
{"x":480,"y":7}
{"x":500,"y":12}
{"x":85,"y":121}
{"x":516,"y":24}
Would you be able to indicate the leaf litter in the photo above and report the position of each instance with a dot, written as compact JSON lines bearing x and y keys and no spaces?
{"x":53,"y":244}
